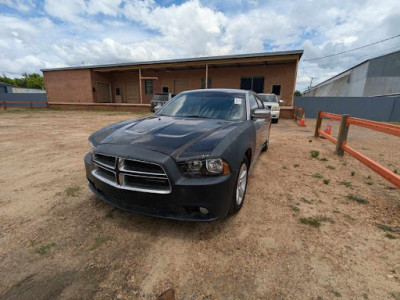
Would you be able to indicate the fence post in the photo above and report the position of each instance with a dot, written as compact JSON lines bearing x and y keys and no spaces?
{"x":342,"y":137}
{"x":30,"y":104}
{"x":318,"y":124}
{"x":5,"y":105}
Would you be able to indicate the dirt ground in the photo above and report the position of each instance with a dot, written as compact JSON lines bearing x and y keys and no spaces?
{"x":295,"y":238}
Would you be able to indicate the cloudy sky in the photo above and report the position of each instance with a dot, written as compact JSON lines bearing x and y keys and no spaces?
{"x":56,"y":33}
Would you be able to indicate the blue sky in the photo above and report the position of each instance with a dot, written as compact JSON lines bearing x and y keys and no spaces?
{"x":54,"y":33}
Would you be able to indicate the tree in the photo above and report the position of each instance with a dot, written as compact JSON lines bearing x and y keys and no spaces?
{"x":31,"y":81}
{"x":298,"y":93}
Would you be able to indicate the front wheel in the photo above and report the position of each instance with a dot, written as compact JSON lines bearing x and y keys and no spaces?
{"x":275,"y":121}
{"x":240,"y":187}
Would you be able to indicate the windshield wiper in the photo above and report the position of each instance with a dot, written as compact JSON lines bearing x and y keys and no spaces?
{"x":192,"y":116}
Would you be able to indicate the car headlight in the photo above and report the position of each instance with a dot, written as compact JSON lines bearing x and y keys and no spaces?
{"x":91,"y":146}
{"x":207,"y":167}
{"x":275,"y":108}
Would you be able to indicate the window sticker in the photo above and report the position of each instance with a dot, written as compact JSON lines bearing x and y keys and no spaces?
{"x":238,"y":101}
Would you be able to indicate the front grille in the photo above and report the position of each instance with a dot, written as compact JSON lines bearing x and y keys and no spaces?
{"x":269,"y":106}
{"x":131,"y":174}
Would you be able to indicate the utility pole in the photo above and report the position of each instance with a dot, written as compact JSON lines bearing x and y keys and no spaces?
{"x":311,"y":83}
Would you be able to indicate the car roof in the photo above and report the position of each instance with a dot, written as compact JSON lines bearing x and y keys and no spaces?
{"x":267,"y":94}
{"x":220,"y":90}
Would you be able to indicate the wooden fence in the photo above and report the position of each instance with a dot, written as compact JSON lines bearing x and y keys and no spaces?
{"x":341,"y":141}
{"x":29,"y":104}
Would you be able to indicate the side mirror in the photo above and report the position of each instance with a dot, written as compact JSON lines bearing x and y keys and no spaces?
{"x":280,"y":101}
{"x":157,"y":108}
{"x":261,"y":114}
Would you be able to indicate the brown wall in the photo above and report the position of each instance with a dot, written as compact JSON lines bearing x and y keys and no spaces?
{"x":76,"y":85}
{"x":68,"y":86}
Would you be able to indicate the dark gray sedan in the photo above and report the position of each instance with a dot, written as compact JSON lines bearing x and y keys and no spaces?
{"x":188,"y":161}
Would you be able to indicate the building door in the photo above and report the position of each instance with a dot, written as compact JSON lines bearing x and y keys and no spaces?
{"x":103,"y":92}
{"x":181,"y":85}
{"x":118,"y":93}
{"x":255,"y":84}
{"x":132,"y":91}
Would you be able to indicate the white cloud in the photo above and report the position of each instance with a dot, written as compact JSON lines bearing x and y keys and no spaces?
{"x":65,"y":33}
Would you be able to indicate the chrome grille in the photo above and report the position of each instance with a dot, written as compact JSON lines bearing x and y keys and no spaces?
{"x":131,"y":174}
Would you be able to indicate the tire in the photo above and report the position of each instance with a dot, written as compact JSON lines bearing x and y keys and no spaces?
{"x":275,"y":121}
{"x":238,"y":199}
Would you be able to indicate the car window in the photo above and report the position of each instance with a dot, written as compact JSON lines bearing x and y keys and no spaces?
{"x":213,"y":105}
{"x":260,"y":103}
{"x":268,"y":98}
{"x":253,"y":103}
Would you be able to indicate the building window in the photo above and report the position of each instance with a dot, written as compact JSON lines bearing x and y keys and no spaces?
{"x":203,"y":83}
{"x":117,"y":92}
{"x":255,"y":84}
{"x":165,"y":89}
{"x":148,"y":83}
{"x":276,"y":89}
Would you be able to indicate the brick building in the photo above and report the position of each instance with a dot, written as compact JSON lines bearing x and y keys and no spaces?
{"x":135,"y":83}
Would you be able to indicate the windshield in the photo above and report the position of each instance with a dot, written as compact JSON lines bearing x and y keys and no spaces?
{"x":268,"y":98}
{"x":212,"y":105}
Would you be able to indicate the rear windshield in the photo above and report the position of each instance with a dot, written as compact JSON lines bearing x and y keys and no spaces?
{"x":268,"y":98}
{"x":158,"y":97}
{"x":212,"y":105}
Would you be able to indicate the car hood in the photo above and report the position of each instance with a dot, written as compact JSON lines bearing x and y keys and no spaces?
{"x":271,"y":103}
{"x":180,"y":138}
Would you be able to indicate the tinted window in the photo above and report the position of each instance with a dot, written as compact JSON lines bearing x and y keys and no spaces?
{"x":148,"y":86}
{"x":276,"y":89}
{"x":255,"y":84}
{"x":213,"y":105}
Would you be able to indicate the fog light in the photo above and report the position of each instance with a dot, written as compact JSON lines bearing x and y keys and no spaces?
{"x":203,"y":210}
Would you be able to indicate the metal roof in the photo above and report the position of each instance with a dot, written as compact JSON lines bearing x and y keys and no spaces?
{"x":5,"y":83}
{"x":207,"y":58}
{"x":343,"y":73}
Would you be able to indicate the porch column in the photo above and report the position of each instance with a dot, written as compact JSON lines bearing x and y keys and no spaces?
{"x":140,"y":85}
{"x":206,"y":79}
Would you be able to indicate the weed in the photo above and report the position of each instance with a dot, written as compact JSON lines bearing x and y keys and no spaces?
{"x":369,"y":182}
{"x":284,"y":167}
{"x":100,"y":241}
{"x":369,"y":177}
{"x":326,"y":181}
{"x":311,"y":221}
{"x":353,"y":173}
{"x":390,"y":236}
{"x":72,"y":191}
{"x":337,"y":294}
{"x":330,"y":167}
{"x":295,"y":208}
{"x":325,"y":219}
{"x":314,"y":153}
{"x":344,"y":163}
{"x":302,"y":199}
{"x":296,"y":165}
{"x":386,"y":227}
{"x":310,"y":141}
{"x":317,"y":175}
{"x":58,"y":194}
{"x":395,"y":171}
{"x":395,"y":295}
{"x":336,"y":212}
{"x":349,"y":217}
{"x":110,"y":214}
{"x":324,"y":159}
{"x":346,"y":183}
{"x":358,"y":199}
{"x":43,"y":250}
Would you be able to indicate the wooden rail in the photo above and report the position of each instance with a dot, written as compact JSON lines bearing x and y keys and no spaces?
{"x":30,"y":104}
{"x":341,"y":141}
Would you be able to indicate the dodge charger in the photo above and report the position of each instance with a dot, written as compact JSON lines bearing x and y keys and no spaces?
{"x":188,"y":161}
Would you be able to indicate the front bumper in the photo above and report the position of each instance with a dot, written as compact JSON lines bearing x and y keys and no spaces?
{"x":182,"y":203}
{"x":275,"y":114}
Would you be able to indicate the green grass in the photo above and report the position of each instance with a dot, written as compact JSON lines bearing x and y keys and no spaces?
{"x":284,"y":167}
{"x":324,"y":159}
{"x":346,"y":183}
{"x":369,"y":177}
{"x":296,"y":165}
{"x":390,"y":236}
{"x":358,"y":199}
{"x":330,"y":167}
{"x":326,"y":181}
{"x":295,"y":208}
{"x":317,"y":175}
{"x":336,"y":294}
{"x":100,"y":241}
{"x":395,"y":171}
{"x":369,"y":182}
{"x":352,"y":173}
{"x":45,"y":248}
{"x":386,"y":227}
{"x":311,"y":221}
{"x":314,"y":153}
{"x":72,"y":191}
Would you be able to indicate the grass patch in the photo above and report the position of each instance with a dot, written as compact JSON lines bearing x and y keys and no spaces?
{"x":324,"y":159}
{"x":295,"y":208}
{"x":395,"y":171}
{"x":336,"y":212}
{"x":296,"y":165}
{"x":346,"y":183}
{"x":100,"y":240}
{"x":358,"y":199}
{"x":349,"y":217}
{"x":386,"y":227}
{"x":284,"y":167}
{"x":390,"y":236}
{"x":314,"y":153}
{"x":369,"y":177}
{"x":305,"y":200}
{"x":311,"y":221}
{"x":336,"y":294}
{"x":326,"y":181}
{"x":330,"y":167}
{"x":317,"y":175}
{"x":45,"y":248}
{"x":352,"y":173}
{"x":369,"y":182}
{"x":72,"y":191}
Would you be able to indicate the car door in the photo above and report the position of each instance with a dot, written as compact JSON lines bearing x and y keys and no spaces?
{"x":265,"y":132}
{"x":258,"y":123}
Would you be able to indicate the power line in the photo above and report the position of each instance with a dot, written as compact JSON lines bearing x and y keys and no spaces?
{"x":317,"y":58}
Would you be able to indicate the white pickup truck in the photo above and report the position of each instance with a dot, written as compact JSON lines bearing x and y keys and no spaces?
{"x":272,"y":102}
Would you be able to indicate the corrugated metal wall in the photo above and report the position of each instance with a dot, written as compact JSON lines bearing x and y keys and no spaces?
{"x":38,"y":99}
{"x":385,"y":109}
